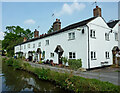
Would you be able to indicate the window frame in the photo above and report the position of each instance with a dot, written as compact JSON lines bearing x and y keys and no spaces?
{"x":52,"y":55}
{"x":71,"y":36}
{"x":93,"y":55}
{"x":92,"y":33}
{"x":107,"y":54}
{"x":34,"y":45}
{"x":72,"y":55}
{"x":28,"y":45}
{"x":107,"y":38}
{"x":116,"y":37}
{"x":39,"y":44}
{"x":47,"y":42}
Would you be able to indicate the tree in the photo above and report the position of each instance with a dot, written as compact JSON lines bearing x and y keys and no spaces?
{"x":50,"y":30}
{"x":13,"y":36}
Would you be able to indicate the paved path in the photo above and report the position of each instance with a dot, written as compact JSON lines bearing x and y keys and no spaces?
{"x":102,"y":74}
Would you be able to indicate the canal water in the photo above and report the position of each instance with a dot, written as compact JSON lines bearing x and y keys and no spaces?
{"x":21,"y":81}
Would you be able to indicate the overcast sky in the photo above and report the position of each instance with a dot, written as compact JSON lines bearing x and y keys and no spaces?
{"x":33,"y":14}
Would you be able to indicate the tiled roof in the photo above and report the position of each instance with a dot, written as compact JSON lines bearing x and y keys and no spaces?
{"x":113,"y":23}
{"x":72,"y":26}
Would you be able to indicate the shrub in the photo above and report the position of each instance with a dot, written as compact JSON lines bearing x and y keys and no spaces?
{"x":9,"y":62}
{"x":4,"y":59}
{"x":64,"y":59}
{"x":17,"y":64}
{"x":75,"y":64}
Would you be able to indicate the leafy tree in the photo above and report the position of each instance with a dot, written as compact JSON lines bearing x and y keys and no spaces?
{"x":50,"y":30}
{"x":13,"y":36}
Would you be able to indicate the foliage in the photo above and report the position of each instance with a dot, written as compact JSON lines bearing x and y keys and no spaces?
{"x":10,"y":61}
{"x":75,"y":63}
{"x":4,"y":59}
{"x":65,"y":60}
{"x":13,"y":36}
{"x":17,"y":64}
{"x":50,"y":30}
{"x":71,"y":82}
{"x":40,"y":62}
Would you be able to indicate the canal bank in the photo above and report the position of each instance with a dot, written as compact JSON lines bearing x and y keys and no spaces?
{"x":22,"y":81}
{"x":65,"y":80}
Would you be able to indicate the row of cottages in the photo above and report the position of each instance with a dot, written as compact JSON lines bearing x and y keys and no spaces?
{"x":92,"y":40}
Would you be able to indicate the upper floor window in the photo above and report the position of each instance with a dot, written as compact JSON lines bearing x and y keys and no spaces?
{"x":24,"y":46}
{"x":116,"y":36}
{"x":39,"y":44}
{"x":21,"y":47}
{"x":71,"y":36}
{"x":72,"y":55}
{"x":92,"y":33}
{"x":107,"y":55}
{"x":28,"y":45}
{"x":93,"y":55}
{"x":47,"y":42}
{"x":33,"y":45}
{"x":107,"y":36}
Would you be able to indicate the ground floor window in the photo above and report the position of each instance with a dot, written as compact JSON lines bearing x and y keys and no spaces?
{"x":72,"y":55}
{"x":107,"y":55}
{"x":51,"y":54}
{"x":93,"y":55}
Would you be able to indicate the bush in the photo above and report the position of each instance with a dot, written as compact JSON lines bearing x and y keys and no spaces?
{"x":75,"y":64}
{"x":64,"y":59}
{"x":10,"y":61}
{"x":17,"y":64}
{"x":4,"y":59}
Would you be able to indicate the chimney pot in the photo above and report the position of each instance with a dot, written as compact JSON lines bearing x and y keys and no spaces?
{"x":57,"y":25}
{"x":36,"y":33}
{"x":25,"y":39}
{"x":97,"y":11}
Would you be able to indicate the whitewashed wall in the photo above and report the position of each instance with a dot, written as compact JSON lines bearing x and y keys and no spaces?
{"x":100,"y":45}
{"x":79,"y":45}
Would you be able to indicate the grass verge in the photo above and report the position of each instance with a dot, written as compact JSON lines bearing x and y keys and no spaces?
{"x":65,"y":80}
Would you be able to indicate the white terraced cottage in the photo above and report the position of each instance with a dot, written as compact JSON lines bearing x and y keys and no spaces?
{"x":93,"y":41}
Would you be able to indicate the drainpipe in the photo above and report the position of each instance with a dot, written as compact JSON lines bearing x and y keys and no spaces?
{"x":88,"y":49}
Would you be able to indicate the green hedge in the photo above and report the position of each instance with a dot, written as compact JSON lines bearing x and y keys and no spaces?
{"x":75,"y":64}
{"x":69,"y":81}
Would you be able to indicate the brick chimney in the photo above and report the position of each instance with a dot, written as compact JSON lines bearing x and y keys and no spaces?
{"x":25,"y":39}
{"x":36,"y":33}
{"x":57,"y":25}
{"x":97,"y":11}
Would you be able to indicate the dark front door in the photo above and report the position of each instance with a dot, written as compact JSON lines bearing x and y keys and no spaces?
{"x":59,"y":58}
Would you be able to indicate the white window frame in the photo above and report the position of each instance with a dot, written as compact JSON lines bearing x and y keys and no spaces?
{"x":107,"y":55}
{"x":93,"y":55}
{"x":93,"y":33}
{"x":39,"y":44}
{"x":24,"y":46}
{"x":28,"y":45}
{"x":71,"y":36}
{"x":47,"y":42}
{"x":51,"y":54}
{"x":107,"y":38}
{"x":73,"y":56}
{"x":33,"y":45}
{"x":116,"y":36}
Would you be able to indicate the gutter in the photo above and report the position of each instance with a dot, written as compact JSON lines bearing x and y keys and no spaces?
{"x":88,"y":49}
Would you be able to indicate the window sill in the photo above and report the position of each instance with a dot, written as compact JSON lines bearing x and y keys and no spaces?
{"x":107,"y":40}
{"x":107,"y":58}
{"x":70,"y":39}
{"x":93,"y":37}
{"x":94,"y":59}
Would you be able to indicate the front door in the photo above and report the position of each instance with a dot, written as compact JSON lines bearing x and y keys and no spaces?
{"x":59,"y":57}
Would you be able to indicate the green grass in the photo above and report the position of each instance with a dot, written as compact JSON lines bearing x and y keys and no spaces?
{"x":65,"y":80}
